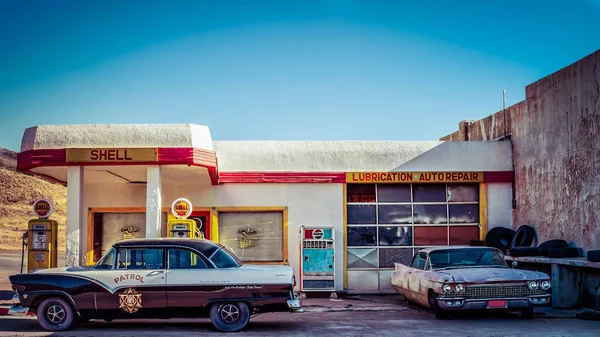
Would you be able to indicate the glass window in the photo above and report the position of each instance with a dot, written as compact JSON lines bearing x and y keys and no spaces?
{"x":395,"y":214}
{"x":429,"y":192}
{"x":360,"y":193}
{"x":430,"y":214}
{"x":140,"y":258}
{"x":362,"y":214}
{"x":419,"y":261}
{"x":107,"y":261}
{"x":222,"y":259}
{"x":389,"y":256}
{"x":393,"y":193}
{"x":362,"y":258}
{"x":464,"y":213}
{"x":463,"y":192}
{"x":253,"y":236}
{"x":395,"y":236}
{"x":185,"y":259}
{"x":362,"y":236}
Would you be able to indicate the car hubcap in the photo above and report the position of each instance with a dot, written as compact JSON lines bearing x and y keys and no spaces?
{"x":55,"y":314}
{"x":230,"y":313}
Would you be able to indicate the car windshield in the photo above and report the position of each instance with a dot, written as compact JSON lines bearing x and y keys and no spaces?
{"x":107,"y":261}
{"x":461,"y":258}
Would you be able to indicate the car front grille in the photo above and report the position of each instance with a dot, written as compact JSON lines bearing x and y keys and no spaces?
{"x":497,"y":291}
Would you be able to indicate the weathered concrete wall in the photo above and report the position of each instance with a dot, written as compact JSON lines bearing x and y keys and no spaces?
{"x":556,"y":143}
{"x":492,"y":127}
{"x":555,"y":135}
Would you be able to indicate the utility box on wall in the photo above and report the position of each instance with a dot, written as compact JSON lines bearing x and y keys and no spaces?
{"x":317,"y":259}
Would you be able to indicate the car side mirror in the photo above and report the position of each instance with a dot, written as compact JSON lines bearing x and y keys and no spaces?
{"x":514,"y":264}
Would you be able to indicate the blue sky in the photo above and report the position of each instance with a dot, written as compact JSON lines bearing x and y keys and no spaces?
{"x":287,"y":70}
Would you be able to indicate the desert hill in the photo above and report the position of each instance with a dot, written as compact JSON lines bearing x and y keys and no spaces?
{"x":18,"y":191}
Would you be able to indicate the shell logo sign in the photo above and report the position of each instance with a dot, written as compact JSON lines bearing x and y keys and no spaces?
{"x":181,"y":208}
{"x":42,"y":208}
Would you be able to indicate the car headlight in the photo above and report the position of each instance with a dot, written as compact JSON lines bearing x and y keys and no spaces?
{"x":459,"y":288}
{"x":446,"y":288}
{"x":533,"y":285}
{"x":545,"y":285}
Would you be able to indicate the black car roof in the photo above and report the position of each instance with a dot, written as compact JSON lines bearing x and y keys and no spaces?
{"x":204,"y":246}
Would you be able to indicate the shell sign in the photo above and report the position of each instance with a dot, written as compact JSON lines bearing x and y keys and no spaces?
{"x":42,"y":208}
{"x":181,"y":208}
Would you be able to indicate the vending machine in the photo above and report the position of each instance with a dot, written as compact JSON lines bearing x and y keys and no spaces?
{"x":42,"y":238}
{"x":317,"y":259}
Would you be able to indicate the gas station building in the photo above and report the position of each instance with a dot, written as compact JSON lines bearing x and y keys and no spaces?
{"x":382,"y":199}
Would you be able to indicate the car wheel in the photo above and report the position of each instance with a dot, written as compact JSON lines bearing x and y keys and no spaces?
{"x":55,"y":314}
{"x":229,"y":316}
{"x":433,"y":304}
{"x":527,"y":313}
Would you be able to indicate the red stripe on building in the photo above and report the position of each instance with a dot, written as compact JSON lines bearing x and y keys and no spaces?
{"x":282,"y":177}
{"x":498,"y":177}
{"x":28,"y":160}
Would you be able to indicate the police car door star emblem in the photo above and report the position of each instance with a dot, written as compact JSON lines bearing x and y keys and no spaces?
{"x":130,"y":301}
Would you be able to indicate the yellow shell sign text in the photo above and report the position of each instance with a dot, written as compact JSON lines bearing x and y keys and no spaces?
{"x":144,"y":155}
{"x":413,"y":177}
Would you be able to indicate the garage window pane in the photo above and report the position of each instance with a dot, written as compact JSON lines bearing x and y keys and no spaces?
{"x":431,"y":214}
{"x":361,"y":193}
{"x":395,"y":236}
{"x":395,"y":214}
{"x":253,"y":236}
{"x":361,"y":214}
{"x":463,"y":193}
{"x":464,"y":213}
{"x":393,"y":193}
{"x":429,"y":193}
{"x":362,"y":236}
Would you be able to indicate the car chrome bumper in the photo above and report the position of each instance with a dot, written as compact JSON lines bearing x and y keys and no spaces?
{"x":294,"y":303}
{"x":17,"y":310}
{"x":458,"y":303}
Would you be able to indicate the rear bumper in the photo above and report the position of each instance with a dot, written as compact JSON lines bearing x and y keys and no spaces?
{"x":294,"y":303}
{"x":17,"y":310}
{"x":458,"y":303}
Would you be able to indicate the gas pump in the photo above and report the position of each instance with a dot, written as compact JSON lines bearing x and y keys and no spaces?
{"x":181,"y":226}
{"x":42,"y":238}
{"x":317,"y":262}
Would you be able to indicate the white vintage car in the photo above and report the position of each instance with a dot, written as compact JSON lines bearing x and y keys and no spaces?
{"x":469,"y":278}
{"x":157,"y":278}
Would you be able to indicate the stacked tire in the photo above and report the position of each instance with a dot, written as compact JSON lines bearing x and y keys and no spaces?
{"x":499,"y":237}
{"x":522,"y":241}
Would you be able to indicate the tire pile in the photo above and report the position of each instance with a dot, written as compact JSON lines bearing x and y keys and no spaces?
{"x":518,"y":243}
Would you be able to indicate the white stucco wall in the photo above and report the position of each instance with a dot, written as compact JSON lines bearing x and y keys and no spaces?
{"x":348,"y":156}
{"x":116,"y":135}
{"x":499,"y":197}
{"x":308,"y":204}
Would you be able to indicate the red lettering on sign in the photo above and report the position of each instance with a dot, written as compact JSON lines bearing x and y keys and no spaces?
{"x":94,"y":154}
{"x":127,"y":157}
{"x":476,"y":176}
{"x":102,"y":155}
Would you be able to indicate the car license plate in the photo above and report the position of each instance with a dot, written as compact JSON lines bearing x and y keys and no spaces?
{"x":497,"y":304}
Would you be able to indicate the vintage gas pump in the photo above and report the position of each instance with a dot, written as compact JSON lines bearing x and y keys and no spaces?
{"x":182,"y":227}
{"x":317,"y":259}
{"x":42,"y":237}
